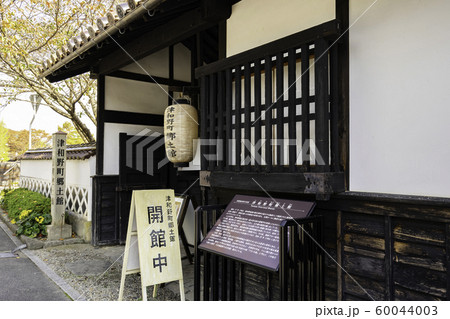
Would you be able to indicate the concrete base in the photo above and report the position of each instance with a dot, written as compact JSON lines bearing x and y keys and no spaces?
{"x":80,"y":226}
{"x":55,"y":232}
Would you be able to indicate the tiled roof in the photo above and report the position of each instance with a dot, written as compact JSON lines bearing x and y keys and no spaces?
{"x":94,"y":35}
{"x":73,"y":152}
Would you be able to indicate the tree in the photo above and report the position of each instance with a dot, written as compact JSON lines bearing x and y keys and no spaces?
{"x":30,"y":30}
{"x":18,"y":141}
{"x":4,"y":148}
{"x":72,"y":135}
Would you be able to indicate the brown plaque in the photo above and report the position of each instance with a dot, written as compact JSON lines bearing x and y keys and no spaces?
{"x":248,"y":229}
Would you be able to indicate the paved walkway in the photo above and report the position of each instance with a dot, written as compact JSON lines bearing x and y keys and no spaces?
{"x":21,"y":279}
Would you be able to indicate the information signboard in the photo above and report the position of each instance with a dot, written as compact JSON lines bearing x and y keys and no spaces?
{"x":152,"y":246}
{"x":248,"y":229}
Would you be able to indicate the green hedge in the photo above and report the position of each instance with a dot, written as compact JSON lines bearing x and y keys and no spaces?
{"x":29,"y":210}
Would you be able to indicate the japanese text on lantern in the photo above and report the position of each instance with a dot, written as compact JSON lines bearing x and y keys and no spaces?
{"x":170,"y":134}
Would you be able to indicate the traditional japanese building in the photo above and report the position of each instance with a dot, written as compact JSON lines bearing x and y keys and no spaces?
{"x":352,"y":92}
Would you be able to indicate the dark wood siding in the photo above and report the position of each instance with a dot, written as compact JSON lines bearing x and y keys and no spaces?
{"x":389,"y":248}
{"x":105,"y":226}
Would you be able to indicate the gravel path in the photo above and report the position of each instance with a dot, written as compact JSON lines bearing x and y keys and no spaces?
{"x":95,"y":272}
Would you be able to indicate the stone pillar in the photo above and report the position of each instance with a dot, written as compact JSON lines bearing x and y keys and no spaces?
{"x":58,"y":230}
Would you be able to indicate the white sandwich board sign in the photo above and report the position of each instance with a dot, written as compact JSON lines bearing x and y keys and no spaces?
{"x":152,"y":245}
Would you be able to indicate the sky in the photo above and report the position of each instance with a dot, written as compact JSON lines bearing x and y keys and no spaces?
{"x":17,"y":116}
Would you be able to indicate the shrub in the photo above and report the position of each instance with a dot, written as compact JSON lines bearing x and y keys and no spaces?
{"x":29,"y":210}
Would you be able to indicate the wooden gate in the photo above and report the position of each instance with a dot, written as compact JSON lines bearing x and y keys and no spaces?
{"x":142,"y":165}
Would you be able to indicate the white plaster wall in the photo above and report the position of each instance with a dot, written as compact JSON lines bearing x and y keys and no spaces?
{"x":256,"y":22}
{"x":41,"y":169}
{"x":399,"y":97}
{"x":135,"y":96}
{"x":181,"y":63}
{"x":78,"y":172}
{"x":156,"y":64}
{"x":112,"y":131}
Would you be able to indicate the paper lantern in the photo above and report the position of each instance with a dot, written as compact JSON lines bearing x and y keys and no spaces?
{"x":180,"y":131}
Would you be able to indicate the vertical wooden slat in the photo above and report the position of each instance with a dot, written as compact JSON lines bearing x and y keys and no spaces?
{"x":313,"y":233}
{"x":206,"y":276}
{"x":447,"y":253}
{"x":220,"y":120}
{"x":280,"y":111}
{"x":257,"y":121}
{"x":204,"y":120}
{"x":305,"y":101}
{"x":238,"y":103}
{"x":388,"y":258}
{"x":269,"y":288}
{"x":212,"y":119}
{"x":322,"y":259}
{"x":228,"y":106}
{"x":293,"y":251}
{"x":100,"y":124}
{"x":268,"y":112}
{"x":292,"y":109}
{"x":334,"y":109}
{"x":247,"y":123}
{"x":343,"y":15}
{"x":215,"y":277}
{"x":340,"y":252}
{"x":194,"y":65}
{"x":284,"y":261}
{"x":215,"y":265}
{"x":315,"y":266}
{"x":242,"y":281}
{"x":303,"y":261}
{"x":197,"y":259}
{"x":232,"y":280}
{"x":207,"y":259}
{"x":171,"y":73}
{"x":322,"y":114}
{"x":224,"y":278}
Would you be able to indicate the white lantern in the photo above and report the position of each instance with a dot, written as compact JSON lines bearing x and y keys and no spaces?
{"x":180,"y":131}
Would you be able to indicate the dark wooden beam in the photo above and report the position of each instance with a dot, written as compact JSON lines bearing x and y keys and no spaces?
{"x":62,"y":74}
{"x":173,"y":32}
{"x":415,"y":207}
{"x":298,"y":183}
{"x":171,"y":75}
{"x":322,"y":102}
{"x":100,"y":124}
{"x":343,"y":81}
{"x":133,"y":118}
{"x":339,"y":255}
{"x":389,"y":258}
{"x":148,"y":78}
{"x":222,"y":47}
{"x":447,"y":258}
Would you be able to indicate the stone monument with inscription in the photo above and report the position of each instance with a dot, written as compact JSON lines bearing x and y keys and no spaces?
{"x":58,"y":229}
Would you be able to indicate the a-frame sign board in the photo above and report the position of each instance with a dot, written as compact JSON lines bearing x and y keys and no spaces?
{"x":152,"y":245}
